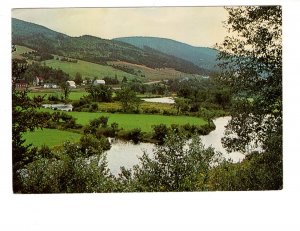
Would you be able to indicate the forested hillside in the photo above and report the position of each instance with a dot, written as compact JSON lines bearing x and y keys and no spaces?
{"x":203,"y":57}
{"x":94,"y":49}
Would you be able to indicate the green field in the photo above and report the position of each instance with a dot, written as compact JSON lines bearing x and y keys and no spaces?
{"x":154,"y":74}
{"x":87,"y":69}
{"x":131,"y":121}
{"x":19,"y":51}
{"x":53,"y":137}
{"x":50,"y":137}
{"x":74,"y":95}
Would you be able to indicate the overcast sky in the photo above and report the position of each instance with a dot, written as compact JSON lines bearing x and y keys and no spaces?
{"x":198,"y":26}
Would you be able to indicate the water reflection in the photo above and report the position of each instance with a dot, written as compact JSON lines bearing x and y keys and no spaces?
{"x":126,"y":154}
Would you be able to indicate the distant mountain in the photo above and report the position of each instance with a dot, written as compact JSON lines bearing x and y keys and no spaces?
{"x":201,"y":56}
{"x":94,"y":49}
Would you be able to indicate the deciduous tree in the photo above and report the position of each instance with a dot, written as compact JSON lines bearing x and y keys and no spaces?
{"x":251,"y":63}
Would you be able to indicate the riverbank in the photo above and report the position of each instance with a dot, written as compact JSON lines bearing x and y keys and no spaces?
{"x":127,"y":154}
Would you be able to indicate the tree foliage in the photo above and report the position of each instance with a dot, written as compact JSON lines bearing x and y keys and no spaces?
{"x":74,"y":168}
{"x":78,"y":79}
{"x":100,"y":93}
{"x":251,"y":63}
{"x":128,"y":99}
{"x":174,"y":166}
{"x":65,"y":88}
{"x":252,"y":67}
{"x":24,"y":118}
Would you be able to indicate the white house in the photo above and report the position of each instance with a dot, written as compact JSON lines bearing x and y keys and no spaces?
{"x":38,"y":81}
{"x":99,"y":82}
{"x":50,"y":85}
{"x":72,"y":84}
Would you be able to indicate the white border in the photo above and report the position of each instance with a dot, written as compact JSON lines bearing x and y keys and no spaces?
{"x":155,"y":211}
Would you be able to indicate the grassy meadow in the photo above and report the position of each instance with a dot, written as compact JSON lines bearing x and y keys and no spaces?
{"x":19,"y":51}
{"x":142,"y":121}
{"x":54,"y":137}
{"x":87,"y":69}
{"x":74,"y":94}
{"x":50,"y":137}
{"x":154,"y":74}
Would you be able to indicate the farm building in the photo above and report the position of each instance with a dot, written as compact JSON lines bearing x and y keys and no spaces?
{"x":99,"y":82}
{"x":50,"y":85}
{"x":21,"y":84}
{"x":72,"y":84}
{"x":38,"y":81}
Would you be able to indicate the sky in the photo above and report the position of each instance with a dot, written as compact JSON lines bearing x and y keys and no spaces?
{"x":197,"y":26}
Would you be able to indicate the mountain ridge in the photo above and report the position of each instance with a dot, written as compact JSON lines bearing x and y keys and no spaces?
{"x":94,"y":49}
{"x":203,"y":57}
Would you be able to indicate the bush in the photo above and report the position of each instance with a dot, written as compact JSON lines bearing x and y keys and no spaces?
{"x":134,"y":135}
{"x":93,"y":107}
{"x":160,"y":132}
{"x":90,"y":145}
{"x":53,"y":98}
{"x":85,"y":104}
{"x":151,"y":110}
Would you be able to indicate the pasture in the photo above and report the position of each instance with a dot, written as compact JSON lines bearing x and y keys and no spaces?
{"x":74,"y":94}
{"x":142,"y":121}
{"x":54,"y":137}
{"x":50,"y":137}
{"x":19,"y":51}
{"x":88,"y":69}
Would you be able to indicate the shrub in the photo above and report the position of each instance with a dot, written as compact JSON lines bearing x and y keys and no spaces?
{"x":160,"y":132}
{"x":151,"y":110}
{"x":53,"y":98}
{"x":134,"y":135}
{"x":90,"y":145}
{"x":93,"y":107}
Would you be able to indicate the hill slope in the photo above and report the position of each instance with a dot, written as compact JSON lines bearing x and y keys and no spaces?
{"x":201,"y":56}
{"x":94,"y":49}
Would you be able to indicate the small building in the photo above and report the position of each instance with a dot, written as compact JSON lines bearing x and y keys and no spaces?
{"x":38,"y":81}
{"x":99,"y":82}
{"x":72,"y":84}
{"x":60,"y":107}
{"x":50,"y":85}
{"x":21,"y":84}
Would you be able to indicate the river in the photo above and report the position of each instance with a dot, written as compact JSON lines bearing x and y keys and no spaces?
{"x":126,"y":153}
